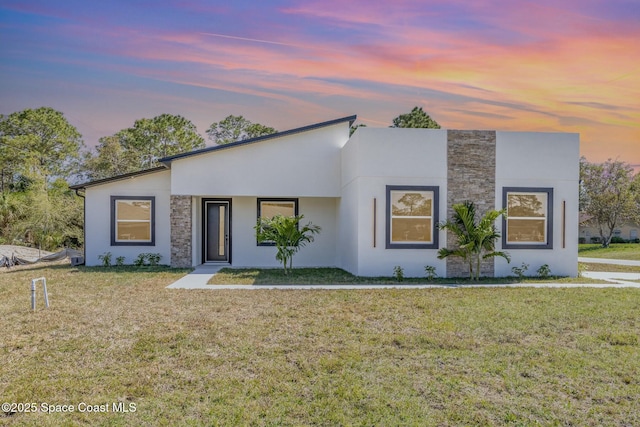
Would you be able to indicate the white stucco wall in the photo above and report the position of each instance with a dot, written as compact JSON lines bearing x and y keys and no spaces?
{"x":348,"y":228}
{"x":304,"y":164}
{"x":336,"y":184}
{"x":246,"y":253}
{"x":526,"y":159}
{"x":98,"y":217}
{"x":372,"y":159}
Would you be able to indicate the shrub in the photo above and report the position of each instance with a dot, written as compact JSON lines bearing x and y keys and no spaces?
{"x":398,"y":273}
{"x":154,"y":258}
{"x":120,"y":261}
{"x":106,"y":259}
{"x":151,"y":259}
{"x":544,"y":271}
{"x":618,"y":239}
{"x":595,"y":240}
{"x":430,"y":272}
{"x":582,"y":240}
{"x":139,"y":261}
{"x":520,"y":271}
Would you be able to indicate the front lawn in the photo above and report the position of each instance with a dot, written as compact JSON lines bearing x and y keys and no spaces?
{"x":629,"y":251}
{"x":427,"y":357}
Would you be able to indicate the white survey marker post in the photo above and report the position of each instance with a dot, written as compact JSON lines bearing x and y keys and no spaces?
{"x":33,"y":292}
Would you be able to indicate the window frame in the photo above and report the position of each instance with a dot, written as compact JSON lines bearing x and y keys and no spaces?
{"x":114,"y":220}
{"x":435,"y":217}
{"x":549,"y":218}
{"x":293,"y":200}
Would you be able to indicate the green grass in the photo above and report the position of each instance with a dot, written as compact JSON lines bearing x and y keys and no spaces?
{"x":630,"y":251}
{"x":610,"y":267}
{"x":336,"y":276}
{"x":455,"y":356}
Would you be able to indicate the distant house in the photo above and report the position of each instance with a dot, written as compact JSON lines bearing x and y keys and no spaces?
{"x":590,"y":233}
{"x":378,"y":196}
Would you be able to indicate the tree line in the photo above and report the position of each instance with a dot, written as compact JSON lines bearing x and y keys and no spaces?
{"x":609,"y":196}
{"x":41,"y":153}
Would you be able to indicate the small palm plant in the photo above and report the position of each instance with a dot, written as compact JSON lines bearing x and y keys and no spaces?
{"x":476,"y":241}
{"x":287,"y":235}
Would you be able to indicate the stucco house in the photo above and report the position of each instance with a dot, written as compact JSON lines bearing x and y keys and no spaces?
{"x":590,"y":233}
{"x":378,"y":196}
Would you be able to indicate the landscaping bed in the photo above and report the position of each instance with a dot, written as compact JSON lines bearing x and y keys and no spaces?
{"x":336,"y":276}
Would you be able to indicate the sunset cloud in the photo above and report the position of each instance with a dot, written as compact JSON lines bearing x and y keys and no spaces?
{"x":513,"y":65}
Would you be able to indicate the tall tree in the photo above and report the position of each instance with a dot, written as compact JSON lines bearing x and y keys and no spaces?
{"x":51,"y":217}
{"x":140,"y":147}
{"x":38,"y":141}
{"x":12,"y":207}
{"x":417,"y":118}
{"x":236,"y":128}
{"x":609,"y":195}
{"x":111,"y":159}
{"x":161,"y":136}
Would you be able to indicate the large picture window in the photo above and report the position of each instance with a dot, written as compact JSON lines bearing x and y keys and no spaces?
{"x":132,"y":221}
{"x":412,"y":217}
{"x":529,"y":220}
{"x":268,"y":208}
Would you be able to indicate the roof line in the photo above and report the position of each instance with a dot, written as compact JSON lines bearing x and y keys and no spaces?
{"x":118,"y":177}
{"x":166,"y":161}
{"x":169,"y":159}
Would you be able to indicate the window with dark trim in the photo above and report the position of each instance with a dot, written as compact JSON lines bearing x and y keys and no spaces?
{"x":270,"y":207}
{"x":529,"y":220}
{"x":133,"y":220}
{"x":412,"y":217}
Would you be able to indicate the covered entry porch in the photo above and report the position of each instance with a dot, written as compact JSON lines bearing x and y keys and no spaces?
{"x":213,"y":230}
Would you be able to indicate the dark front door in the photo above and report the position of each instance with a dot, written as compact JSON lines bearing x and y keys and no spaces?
{"x":216,"y":237}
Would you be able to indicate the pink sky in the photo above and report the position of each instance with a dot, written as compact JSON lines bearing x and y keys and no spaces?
{"x":568,"y":66}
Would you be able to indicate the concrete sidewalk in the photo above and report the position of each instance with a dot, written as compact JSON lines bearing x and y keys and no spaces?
{"x":199,"y":277}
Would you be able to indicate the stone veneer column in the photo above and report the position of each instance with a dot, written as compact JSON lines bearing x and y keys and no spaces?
{"x":471,"y":175}
{"x":181,"y":231}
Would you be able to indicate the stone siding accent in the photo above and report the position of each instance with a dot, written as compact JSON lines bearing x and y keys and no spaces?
{"x":181,"y":231}
{"x":471,"y":175}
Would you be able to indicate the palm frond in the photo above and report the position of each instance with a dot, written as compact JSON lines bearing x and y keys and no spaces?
{"x":502,"y":254}
{"x":475,"y":241}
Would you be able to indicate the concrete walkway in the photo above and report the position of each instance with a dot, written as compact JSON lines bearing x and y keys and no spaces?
{"x":199,"y":277}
